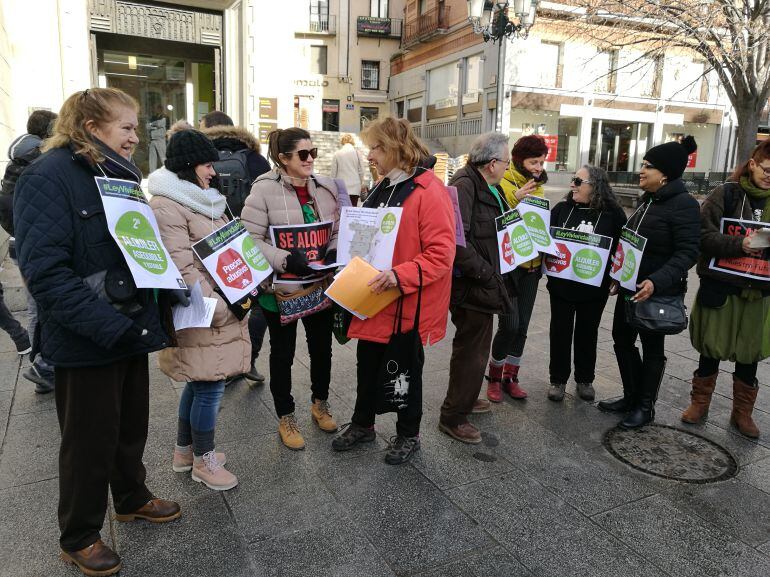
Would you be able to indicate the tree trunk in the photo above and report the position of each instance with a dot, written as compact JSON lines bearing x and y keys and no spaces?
{"x":748,"y":123}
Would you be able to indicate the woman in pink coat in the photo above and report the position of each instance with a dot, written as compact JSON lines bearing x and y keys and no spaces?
{"x":425,"y":247}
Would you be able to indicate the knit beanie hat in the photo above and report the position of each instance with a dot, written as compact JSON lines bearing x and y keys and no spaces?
{"x":188,"y":149}
{"x":530,"y":146}
{"x":671,"y":157}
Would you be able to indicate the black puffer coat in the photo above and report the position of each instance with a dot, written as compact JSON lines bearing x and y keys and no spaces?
{"x":21,"y":153}
{"x":62,"y":238}
{"x":477,"y":283}
{"x":671,"y":225}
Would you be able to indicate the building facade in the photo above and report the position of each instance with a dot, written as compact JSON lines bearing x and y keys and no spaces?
{"x":318,"y":64}
{"x":593,"y":104}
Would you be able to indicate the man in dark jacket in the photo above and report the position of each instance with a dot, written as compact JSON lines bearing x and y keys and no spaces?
{"x":227,"y":137}
{"x":24,"y":150}
{"x":479,"y":291}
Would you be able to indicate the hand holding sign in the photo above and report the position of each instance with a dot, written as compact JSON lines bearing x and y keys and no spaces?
{"x":746,"y":245}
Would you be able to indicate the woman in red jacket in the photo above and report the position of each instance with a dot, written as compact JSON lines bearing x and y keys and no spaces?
{"x":425,"y":247}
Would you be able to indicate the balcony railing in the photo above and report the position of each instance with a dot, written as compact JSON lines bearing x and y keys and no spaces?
{"x":379,"y":27}
{"x":426,"y":26}
{"x":322,"y":24}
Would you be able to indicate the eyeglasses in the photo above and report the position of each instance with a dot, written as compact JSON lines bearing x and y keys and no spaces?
{"x":303,"y":154}
{"x":506,"y":162}
{"x":577,"y":181}
{"x":765,"y":169}
{"x":647,"y":165}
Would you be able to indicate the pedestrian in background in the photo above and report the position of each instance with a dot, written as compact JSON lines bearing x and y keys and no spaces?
{"x":479,"y":291}
{"x":731,"y":316}
{"x":234,"y":141}
{"x":98,"y":344}
{"x":156,"y":131}
{"x":188,"y":210}
{"x":576,"y":308}
{"x":348,"y":167}
{"x":421,"y":270}
{"x":525,"y":176}
{"x":21,"y":153}
{"x":292,"y":194}
{"x":668,"y":217}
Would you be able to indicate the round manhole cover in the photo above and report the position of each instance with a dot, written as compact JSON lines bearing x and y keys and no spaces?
{"x":671,"y":453}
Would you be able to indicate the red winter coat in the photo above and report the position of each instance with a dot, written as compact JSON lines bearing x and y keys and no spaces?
{"x":426,"y":236}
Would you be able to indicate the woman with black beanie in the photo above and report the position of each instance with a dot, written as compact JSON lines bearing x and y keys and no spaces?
{"x":669,"y":218}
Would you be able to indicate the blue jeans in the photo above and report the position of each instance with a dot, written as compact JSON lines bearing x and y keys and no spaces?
{"x":198,"y":409}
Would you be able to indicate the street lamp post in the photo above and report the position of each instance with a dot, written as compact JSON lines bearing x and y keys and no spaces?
{"x":491,"y":21}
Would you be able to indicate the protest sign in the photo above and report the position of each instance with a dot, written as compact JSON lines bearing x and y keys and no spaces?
{"x":233,"y":260}
{"x":536,"y":214}
{"x":459,"y":230}
{"x":514,"y":245}
{"x":582,"y":256}
{"x":310,"y":240}
{"x":753,"y":267}
{"x":368,"y":233}
{"x":132,"y":224}
{"x":627,"y":258}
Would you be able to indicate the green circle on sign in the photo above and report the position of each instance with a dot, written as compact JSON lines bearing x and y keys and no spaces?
{"x":137,"y":237}
{"x":521,"y":241}
{"x":587,"y":263}
{"x":536,"y":226}
{"x":253,"y":255}
{"x":629,"y":266}
{"x":388,"y":223}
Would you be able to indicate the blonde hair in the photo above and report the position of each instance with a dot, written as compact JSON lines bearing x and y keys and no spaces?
{"x":97,"y":104}
{"x":347,"y":139}
{"x":398,"y":142}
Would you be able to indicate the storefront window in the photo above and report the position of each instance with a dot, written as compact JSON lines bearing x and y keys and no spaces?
{"x":444,"y":81}
{"x":568,"y":151}
{"x":368,"y":113}
{"x":618,"y":146}
{"x":331,"y":115}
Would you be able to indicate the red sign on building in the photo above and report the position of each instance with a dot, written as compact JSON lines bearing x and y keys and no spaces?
{"x":692,"y":159}
{"x":552,"y":142}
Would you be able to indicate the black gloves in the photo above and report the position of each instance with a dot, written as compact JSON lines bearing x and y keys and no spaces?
{"x":179,"y":296}
{"x":296,"y":263}
{"x":331,"y":256}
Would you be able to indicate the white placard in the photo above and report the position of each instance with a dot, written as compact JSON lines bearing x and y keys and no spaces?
{"x":536,"y":214}
{"x":368,"y":233}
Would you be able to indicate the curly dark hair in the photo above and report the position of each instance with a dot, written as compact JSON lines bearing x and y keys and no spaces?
{"x":602,"y":197}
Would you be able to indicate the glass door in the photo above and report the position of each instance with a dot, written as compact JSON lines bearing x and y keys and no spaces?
{"x":618,"y":146}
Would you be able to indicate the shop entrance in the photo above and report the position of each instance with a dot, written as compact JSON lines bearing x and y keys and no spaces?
{"x":171,"y":81}
{"x":618,"y":146}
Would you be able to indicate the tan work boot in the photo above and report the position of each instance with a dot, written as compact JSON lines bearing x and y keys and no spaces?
{"x":322,"y":416}
{"x":289,"y":431}
{"x":744,"y":397}
{"x":183,"y":459}
{"x":210,"y":472}
{"x":700,"y":398}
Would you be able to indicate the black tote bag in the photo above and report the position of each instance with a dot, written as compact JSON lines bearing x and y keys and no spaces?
{"x":399,"y":376}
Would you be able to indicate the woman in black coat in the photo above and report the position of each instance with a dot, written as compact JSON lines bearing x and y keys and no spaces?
{"x":669,"y":218}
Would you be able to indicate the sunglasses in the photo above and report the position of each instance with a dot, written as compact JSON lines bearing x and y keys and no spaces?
{"x":577,"y":181}
{"x":303,"y":154}
{"x":647,"y":165}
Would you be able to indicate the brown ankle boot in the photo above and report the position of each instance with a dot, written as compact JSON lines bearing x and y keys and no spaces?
{"x":744,"y":397}
{"x":96,"y":560}
{"x":700,"y":398}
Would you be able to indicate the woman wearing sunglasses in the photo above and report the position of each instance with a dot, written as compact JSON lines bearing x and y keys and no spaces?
{"x":731,"y":315}
{"x":668,"y":217}
{"x":292,"y":194}
{"x":576,"y":308}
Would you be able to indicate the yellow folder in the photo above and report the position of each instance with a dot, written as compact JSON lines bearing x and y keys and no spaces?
{"x":351,"y":291}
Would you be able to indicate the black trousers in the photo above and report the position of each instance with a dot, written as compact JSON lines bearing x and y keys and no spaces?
{"x":283,"y":341}
{"x":624,"y":336}
{"x":576,"y":322}
{"x":103,"y":414}
{"x":257,"y":328}
{"x":368,"y":359}
{"x":470,"y":352}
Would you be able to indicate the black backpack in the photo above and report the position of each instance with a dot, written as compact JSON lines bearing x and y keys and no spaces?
{"x":232,"y":170}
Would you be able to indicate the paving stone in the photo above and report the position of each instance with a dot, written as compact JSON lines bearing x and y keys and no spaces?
{"x":10,"y":362}
{"x":679,"y":543}
{"x":409,"y":521}
{"x":26,"y":400}
{"x":6,"y":398}
{"x":326,"y":550}
{"x":203,"y":541}
{"x":757,"y":474}
{"x":490,"y":563}
{"x":544,"y":532}
{"x":29,"y":532}
{"x":734,"y":507}
{"x":30,"y":450}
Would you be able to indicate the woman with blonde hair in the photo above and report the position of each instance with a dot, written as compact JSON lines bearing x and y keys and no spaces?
{"x":347,"y":167}
{"x":421,"y":270}
{"x":97,"y":327}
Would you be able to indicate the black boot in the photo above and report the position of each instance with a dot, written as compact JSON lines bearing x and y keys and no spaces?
{"x":644,"y":411}
{"x":630,"y":366}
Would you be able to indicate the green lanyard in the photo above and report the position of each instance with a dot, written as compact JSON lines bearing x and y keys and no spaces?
{"x":496,"y":194}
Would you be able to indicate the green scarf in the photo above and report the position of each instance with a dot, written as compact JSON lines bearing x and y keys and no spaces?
{"x":755,"y":192}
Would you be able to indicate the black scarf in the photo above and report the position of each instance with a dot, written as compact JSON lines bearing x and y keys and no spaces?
{"x":113,"y":165}
{"x":386,"y":195}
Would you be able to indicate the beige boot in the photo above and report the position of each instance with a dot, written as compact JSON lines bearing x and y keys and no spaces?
{"x":289,"y":431}
{"x":183,"y":459}
{"x":210,"y":472}
{"x":744,"y":397}
{"x":700,"y":398}
{"x":321,"y":413}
